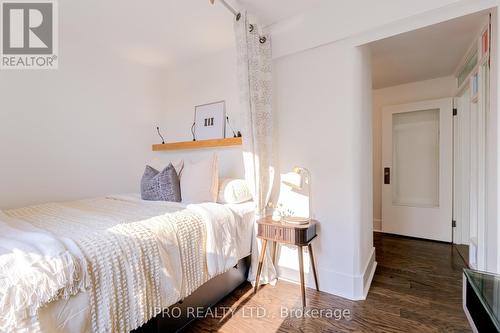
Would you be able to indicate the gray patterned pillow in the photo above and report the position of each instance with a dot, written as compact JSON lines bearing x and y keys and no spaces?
{"x":160,"y":186}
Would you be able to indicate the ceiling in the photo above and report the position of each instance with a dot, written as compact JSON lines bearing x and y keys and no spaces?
{"x":160,"y":33}
{"x":272,"y":11}
{"x":425,"y":53}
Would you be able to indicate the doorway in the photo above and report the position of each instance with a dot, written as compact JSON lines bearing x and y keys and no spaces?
{"x":429,"y":165}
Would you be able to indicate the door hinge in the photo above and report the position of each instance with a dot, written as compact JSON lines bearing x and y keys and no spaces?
{"x":453,"y":224}
{"x":455,"y":111}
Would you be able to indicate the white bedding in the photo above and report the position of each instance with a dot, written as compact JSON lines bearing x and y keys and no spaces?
{"x":35,"y":268}
{"x":229,"y":238}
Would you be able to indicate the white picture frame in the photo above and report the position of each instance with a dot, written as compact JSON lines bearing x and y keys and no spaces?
{"x":210,"y":121}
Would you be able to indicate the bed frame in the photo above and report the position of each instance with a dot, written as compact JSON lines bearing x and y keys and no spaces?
{"x":176,"y":317}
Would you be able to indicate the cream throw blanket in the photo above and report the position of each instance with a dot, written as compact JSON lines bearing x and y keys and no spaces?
{"x":119,"y":243}
{"x":35,"y":269}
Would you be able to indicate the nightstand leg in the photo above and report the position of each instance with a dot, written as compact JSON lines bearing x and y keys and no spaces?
{"x":275,"y":247}
{"x":301,"y":272}
{"x":311,"y":255}
{"x":259,"y":269}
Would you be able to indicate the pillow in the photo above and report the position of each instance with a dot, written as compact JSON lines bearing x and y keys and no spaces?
{"x":234,"y":191}
{"x":200,"y":181}
{"x":160,"y":186}
{"x":159,"y":162}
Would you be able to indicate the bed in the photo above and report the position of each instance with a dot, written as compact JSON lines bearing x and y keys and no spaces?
{"x":203,"y":250}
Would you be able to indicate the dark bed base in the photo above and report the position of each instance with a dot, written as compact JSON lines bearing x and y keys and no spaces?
{"x":177,"y":316}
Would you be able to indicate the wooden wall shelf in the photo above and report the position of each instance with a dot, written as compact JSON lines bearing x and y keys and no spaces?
{"x":198,"y":144}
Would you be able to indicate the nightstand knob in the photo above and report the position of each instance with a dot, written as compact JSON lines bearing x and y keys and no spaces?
{"x":278,"y":233}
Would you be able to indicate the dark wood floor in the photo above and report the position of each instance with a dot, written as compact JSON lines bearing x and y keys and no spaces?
{"x":463,"y":250}
{"x":416,"y":288}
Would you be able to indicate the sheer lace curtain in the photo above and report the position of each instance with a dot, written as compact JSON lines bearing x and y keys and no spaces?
{"x":255,"y":83}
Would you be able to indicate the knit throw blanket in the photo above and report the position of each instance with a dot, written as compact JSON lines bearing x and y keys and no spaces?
{"x":123,"y":260}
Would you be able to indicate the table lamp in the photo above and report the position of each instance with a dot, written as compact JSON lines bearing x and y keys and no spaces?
{"x":302,"y":179}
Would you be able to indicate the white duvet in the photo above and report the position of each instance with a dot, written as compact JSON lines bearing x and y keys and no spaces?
{"x":38,"y":267}
{"x":35,"y":269}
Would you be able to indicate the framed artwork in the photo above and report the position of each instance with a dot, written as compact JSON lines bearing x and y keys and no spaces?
{"x":210,"y":121}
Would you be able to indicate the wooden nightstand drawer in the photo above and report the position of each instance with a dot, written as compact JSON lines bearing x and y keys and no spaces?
{"x":272,"y":232}
{"x":286,"y":233}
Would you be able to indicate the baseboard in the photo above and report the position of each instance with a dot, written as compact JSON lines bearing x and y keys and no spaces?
{"x":353,"y":287}
{"x":369,"y":273}
{"x":377,"y":224}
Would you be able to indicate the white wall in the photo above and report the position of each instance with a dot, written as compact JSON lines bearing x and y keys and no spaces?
{"x":210,"y":79}
{"x":83,"y":130}
{"x":364,"y":100}
{"x":405,"y":93}
{"x":325,"y":126}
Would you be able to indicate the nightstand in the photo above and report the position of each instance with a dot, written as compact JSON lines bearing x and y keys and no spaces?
{"x":286,"y":233}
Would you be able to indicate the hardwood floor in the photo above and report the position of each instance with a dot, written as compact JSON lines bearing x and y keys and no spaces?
{"x":463,"y":250}
{"x":417,"y":288}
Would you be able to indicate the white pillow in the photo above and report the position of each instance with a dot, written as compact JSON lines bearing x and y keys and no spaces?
{"x":200,"y":181}
{"x":161,"y":162}
{"x":234,"y":191}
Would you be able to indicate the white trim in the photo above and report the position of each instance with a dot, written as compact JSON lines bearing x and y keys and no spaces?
{"x":482,"y":106}
{"x":368,"y":274}
{"x":332,"y":282}
{"x":377,"y":224}
{"x":353,"y":287}
{"x":461,"y":167}
{"x":492,"y":157}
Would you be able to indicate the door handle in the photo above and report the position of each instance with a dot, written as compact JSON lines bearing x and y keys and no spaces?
{"x":387,"y":176}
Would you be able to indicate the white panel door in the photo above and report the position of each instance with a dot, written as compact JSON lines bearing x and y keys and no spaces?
{"x":417,"y":157}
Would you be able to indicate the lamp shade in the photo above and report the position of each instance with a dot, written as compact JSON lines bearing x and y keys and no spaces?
{"x":294,"y":180}
{"x":295,"y":196}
